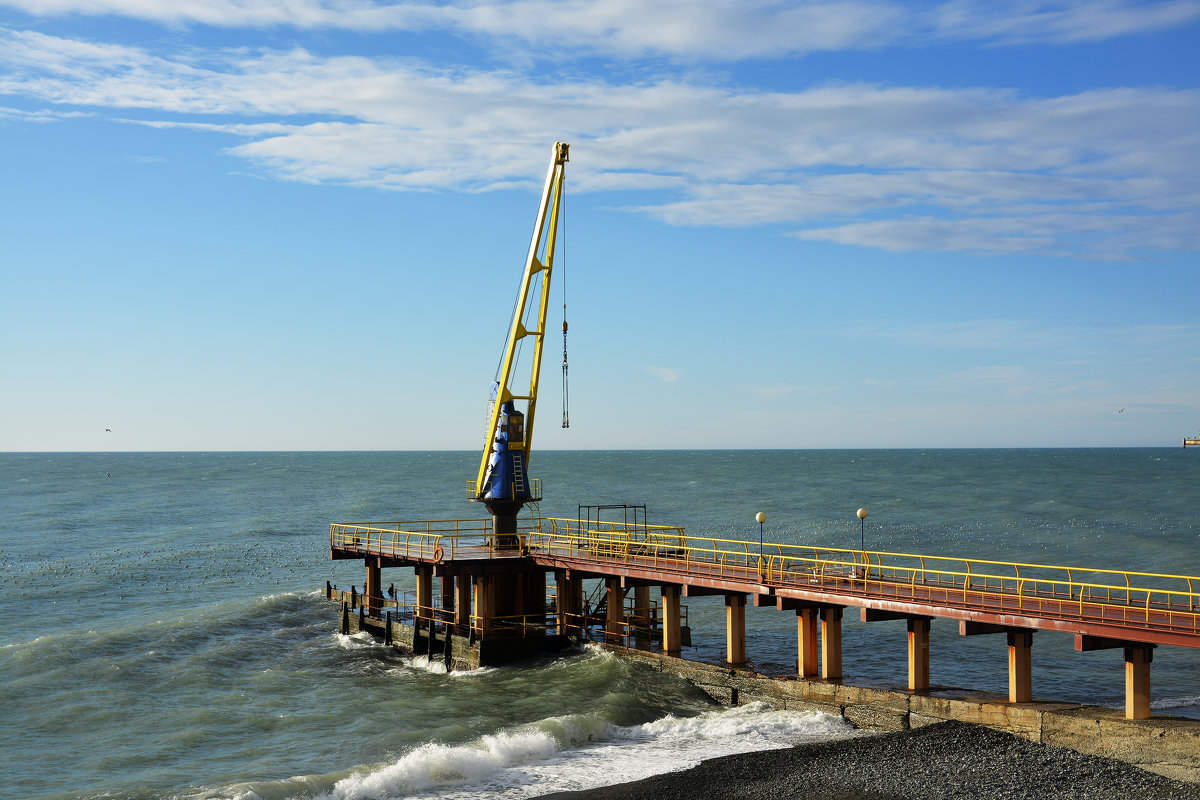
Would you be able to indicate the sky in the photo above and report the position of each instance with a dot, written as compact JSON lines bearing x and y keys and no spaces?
{"x":300,"y":224}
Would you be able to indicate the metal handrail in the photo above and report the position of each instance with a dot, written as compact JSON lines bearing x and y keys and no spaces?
{"x":971,"y":583}
{"x":421,"y":540}
{"x":1120,"y":597}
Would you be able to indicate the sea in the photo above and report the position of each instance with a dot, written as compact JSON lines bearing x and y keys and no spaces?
{"x":164,"y":631}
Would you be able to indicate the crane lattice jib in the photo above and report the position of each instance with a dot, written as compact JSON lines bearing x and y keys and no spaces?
{"x":546,"y":227}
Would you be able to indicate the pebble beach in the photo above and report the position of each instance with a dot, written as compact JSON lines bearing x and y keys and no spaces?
{"x":947,"y":760}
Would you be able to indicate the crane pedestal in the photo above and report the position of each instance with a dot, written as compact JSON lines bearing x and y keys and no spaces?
{"x":504,"y":523}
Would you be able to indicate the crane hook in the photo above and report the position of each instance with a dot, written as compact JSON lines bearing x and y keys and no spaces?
{"x":566,"y":423}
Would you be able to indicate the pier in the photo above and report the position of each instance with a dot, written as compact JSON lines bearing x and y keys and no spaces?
{"x":494,"y":590}
{"x":506,"y":595}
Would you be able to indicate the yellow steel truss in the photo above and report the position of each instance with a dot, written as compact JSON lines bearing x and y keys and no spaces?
{"x":546,"y":227}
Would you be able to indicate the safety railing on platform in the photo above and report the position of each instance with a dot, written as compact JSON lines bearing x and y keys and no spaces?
{"x":1113,"y":597}
{"x":614,"y":539}
{"x":403,"y":606}
{"x":431,"y":540}
{"x":637,"y":627}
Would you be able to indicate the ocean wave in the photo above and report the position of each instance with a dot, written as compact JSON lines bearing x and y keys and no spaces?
{"x":753,"y":720}
{"x":1175,"y":702}
{"x":431,"y":766}
{"x":359,"y":641}
{"x":564,"y":753}
{"x":437,"y":666}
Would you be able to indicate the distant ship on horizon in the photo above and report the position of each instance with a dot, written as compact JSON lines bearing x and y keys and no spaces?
{"x":1192,"y":441}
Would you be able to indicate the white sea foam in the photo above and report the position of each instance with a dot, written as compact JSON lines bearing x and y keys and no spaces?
{"x":580,"y":752}
{"x":357,"y":641}
{"x":1175,"y":702}
{"x":437,"y":666}
{"x":35,"y":640}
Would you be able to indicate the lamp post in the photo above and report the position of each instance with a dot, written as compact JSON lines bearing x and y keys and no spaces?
{"x":862,"y":522}
{"x":760,"y":518}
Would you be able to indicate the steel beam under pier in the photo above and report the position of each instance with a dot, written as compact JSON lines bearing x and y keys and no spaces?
{"x":1020,"y":655}
{"x":918,"y":644}
{"x":1138,"y":657}
{"x":1020,"y":666}
{"x":569,"y":604}
{"x":918,"y":654}
{"x":831,"y":642}
{"x":485,"y":601}
{"x":806,"y":632}
{"x":462,"y":604}
{"x":735,"y":628}
{"x":672,"y":620}
{"x":424,"y":591}
{"x":448,"y":594}
{"x":614,"y":625}
{"x":807,"y":626}
{"x":1137,"y":682}
{"x":642,"y":617}
{"x":373,"y":587}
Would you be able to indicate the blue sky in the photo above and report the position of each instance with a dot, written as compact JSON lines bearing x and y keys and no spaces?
{"x":295,"y":225}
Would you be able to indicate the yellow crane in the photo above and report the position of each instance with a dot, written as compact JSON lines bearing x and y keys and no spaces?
{"x":503,"y":482}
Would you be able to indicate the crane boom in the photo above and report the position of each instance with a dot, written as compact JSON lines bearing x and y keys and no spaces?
{"x":502,"y":480}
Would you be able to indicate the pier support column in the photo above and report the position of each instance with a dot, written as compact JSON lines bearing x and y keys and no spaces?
{"x":672,"y":633}
{"x":806,"y":630}
{"x":485,"y":602}
{"x":641,"y":609}
{"x":424,"y":592}
{"x":531,"y":599}
{"x":831,"y":642}
{"x":569,"y":604}
{"x":447,"y":599}
{"x":918,"y":654}
{"x":1137,"y":682}
{"x":1020,"y":655}
{"x":735,"y":628}
{"x":462,"y":604}
{"x":1020,"y":666}
{"x":614,"y":626}
{"x":1138,"y":656}
{"x":372,"y":589}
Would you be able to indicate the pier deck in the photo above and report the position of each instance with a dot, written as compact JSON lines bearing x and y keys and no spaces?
{"x":1104,"y":609}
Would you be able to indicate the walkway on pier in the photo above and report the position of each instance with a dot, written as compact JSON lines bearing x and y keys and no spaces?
{"x":1102,"y":608}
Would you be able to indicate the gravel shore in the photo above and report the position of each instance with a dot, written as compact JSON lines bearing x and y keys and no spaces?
{"x":948,"y":760}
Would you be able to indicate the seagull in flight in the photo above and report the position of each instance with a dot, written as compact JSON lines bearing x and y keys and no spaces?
{"x":109,"y":430}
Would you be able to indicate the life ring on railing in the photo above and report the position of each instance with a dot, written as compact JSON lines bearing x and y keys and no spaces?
{"x":437,"y":554}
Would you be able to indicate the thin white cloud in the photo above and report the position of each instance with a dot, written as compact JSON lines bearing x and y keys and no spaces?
{"x":1063,"y":21}
{"x":664,"y":374}
{"x":39,"y":115}
{"x":895,"y":168}
{"x":714,"y":30}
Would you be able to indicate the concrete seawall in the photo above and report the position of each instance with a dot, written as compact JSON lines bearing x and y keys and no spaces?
{"x":1169,"y":746}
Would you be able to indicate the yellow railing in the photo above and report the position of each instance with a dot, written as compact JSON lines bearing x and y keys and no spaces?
{"x":614,"y":538}
{"x":427,"y":540}
{"x":1123,"y":598}
{"x":1142,"y":599}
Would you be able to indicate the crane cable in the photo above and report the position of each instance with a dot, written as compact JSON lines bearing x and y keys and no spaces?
{"x":566,"y":421}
